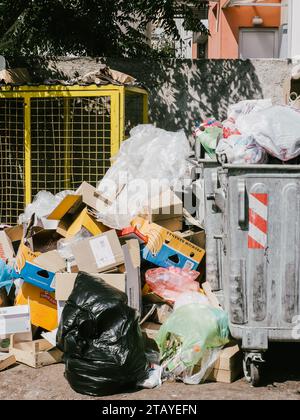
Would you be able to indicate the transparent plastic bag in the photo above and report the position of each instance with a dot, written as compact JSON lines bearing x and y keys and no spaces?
{"x":150,"y":161}
{"x":275,"y":129}
{"x":187,"y":298}
{"x":42,"y":205}
{"x":186,"y":337}
{"x":169,"y":283}
{"x":64,"y":246}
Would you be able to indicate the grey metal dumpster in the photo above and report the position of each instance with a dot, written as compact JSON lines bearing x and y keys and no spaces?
{"x":261,"y":251}
{"x":212,"y":215}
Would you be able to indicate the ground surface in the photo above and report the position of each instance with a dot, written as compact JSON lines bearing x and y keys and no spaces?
{"x":282,"y":381}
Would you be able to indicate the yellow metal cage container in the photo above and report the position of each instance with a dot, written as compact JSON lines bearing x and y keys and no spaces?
{"x":54,"y":137}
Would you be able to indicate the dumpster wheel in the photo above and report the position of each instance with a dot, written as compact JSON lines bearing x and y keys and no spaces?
{"x":252,"y":365}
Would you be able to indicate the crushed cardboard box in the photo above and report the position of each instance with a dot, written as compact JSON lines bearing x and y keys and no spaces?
{"x":164,"y":248}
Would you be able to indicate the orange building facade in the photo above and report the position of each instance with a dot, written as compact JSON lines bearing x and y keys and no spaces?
{"x":238,"y":31}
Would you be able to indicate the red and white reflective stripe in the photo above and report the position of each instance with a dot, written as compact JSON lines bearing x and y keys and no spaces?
{"x":258,"y":221}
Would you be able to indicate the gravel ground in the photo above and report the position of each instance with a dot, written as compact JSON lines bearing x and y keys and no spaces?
{"x":282,"y":381}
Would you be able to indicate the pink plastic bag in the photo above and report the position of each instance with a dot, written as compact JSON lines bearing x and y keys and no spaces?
{"x":169,"y":283}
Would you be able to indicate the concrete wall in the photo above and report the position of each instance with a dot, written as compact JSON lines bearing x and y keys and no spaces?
{"x":184,"y":90}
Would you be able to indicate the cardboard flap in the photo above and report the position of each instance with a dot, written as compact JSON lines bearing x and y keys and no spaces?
{"x":64,"y":284}
{"x":50,"y":261}
{"x":70,"y":202}
{"x":91,"y":197}
{"x":135,"y":252}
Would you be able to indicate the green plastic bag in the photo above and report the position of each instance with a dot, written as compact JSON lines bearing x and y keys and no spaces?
{"x":192,"y":334}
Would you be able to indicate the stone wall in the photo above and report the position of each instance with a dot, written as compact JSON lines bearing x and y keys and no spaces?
{"x":183,"y":90}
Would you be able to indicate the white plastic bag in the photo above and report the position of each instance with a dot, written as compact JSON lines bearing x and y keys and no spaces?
{"x":149,"y":162}
{"x":190,"y":297}
{"x":246,"y":107}
{"x":42,"y":205}
{"x":240,"y":149}
{"x":276,"y":129}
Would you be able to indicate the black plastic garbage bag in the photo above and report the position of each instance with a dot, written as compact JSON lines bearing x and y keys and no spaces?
{"x":101,"y":339}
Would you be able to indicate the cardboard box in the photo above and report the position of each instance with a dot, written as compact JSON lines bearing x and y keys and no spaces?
{"x":15,"y":319}
{"x":43,"y":306}
{"x":25,"y":254}
{"x":229,"y":365}
{"x":99,"y":253}
{"x":165,"y":249}
{"x":41,"y":272}
{"x":36,"y":353}
{"x":151,"y":329}
{"x":196,"y":238}
{"x":6,"y":360}
{"x":91,"y":197}
{"x":6,"y":247}
{"x":73,"y":213}
{"x":15,"y":234}
{"x":65,"y":283}
{"x":44,"y":240}
{"x":175,"y":224}
{"x":166,"y":205}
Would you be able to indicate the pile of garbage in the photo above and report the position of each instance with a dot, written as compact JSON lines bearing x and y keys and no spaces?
{"x":110,"y":279}
{"x":255,"y":132}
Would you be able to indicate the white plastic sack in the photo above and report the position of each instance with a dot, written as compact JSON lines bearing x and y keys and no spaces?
{"x":247,"y":107}
{"x":42,"y":205}
{"x":149,"y":162}
{"x":240,"y":149}
{"x":190,"y":297}
{"x":276,"y":129}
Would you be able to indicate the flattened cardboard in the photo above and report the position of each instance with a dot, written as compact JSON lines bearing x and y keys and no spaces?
{"x":132,"y":263}
{"x":165,"y":249}
{"x":50,"y":261}
{"x":15,"y":319}
{"x":43,"y":306}
{"x":99,"y":253}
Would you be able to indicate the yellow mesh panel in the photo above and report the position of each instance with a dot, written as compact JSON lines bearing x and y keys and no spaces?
{"x":11,"y":159}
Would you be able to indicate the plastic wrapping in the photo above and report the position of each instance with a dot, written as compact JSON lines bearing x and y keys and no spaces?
{"x":151,"y":160}
{"x":208,"y":133}
{"x":64,"y":246}
{"x":190,"y":297}
{"x":276,"y":129}
{"x":186,"y":338}
{"x":101,"y":339}
{"x":238,"y":149}
{"x":42,"y":205}
{"x":7,"y":276}
{"x":171,"y":282}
